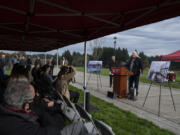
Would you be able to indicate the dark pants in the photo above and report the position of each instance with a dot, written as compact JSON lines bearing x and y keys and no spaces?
{"x":134,"y":80}
{"x":2,"y":76}
{"x":111,"y":80}
{"x":74,"y":96}
{"x":51,"y":70}
{"x":28,"y":67}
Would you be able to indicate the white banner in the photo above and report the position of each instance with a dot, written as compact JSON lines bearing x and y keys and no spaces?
{"x":94,"y":66}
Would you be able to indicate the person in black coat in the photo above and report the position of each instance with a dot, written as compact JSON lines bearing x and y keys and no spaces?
{"x":28,"y":64}
{"x":37,"y":61}
{"x":112,"y":64}
{"x":36,"y":73}
{"x":22,"y":61}
{"x":135,"y":65}
{"x":45,"y":81}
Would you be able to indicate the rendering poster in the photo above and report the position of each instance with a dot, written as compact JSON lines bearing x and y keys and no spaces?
{"x":94,"y":66}
{"x":158,"y":71}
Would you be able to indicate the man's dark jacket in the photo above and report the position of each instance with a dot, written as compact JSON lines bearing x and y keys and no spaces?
{"x":36,"y":74}
{"x":37,"y":61}
{"x":137,"y":66}
{"x":19,"y":123}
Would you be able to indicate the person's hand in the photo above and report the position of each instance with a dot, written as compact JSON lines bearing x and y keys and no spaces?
{"x":123,"y":63}
{"x":141,"y":74}
{"x":37,"y":94}
{"x":46,"y":100}
{"x":51,"y":104}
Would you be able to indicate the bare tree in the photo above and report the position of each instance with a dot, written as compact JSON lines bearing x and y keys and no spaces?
{"x":96,"y":46}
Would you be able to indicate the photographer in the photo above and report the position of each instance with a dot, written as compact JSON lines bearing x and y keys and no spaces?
{"x":64,"y":77}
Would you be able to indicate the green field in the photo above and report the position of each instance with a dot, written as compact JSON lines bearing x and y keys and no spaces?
{"x":122,"y":122}
{"x":7,"y":72}
{"x":143,"y":78}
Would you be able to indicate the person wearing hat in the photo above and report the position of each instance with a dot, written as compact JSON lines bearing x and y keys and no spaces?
{"x":15,"y":59}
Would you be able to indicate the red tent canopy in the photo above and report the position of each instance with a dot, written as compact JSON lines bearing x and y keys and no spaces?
{"x":43,"y":25}
{"x":171,"y":57}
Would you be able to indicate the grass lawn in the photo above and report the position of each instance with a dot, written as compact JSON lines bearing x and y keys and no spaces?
{"x":143,"y":78}
{"x":122,"y":122}
{"x":7,"y":72}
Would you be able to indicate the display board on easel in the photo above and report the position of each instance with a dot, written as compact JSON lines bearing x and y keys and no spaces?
{"x":95,"y":67}
{"x":158,"y":73}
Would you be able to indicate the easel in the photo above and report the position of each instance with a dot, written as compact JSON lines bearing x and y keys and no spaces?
{"x":160,"y":97}
{"x":98,"y":79}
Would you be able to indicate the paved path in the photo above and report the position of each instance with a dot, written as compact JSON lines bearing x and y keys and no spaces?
{"x":169,"y":119}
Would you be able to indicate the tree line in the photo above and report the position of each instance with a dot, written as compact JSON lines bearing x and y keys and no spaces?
{"x":104,"y":54}
{"x":98,"y":53}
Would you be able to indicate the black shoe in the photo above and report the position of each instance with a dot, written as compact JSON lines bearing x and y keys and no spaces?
{"x":135,"y":98}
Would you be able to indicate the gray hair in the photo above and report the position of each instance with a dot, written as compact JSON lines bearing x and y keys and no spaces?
{"x":135,"y":53}
{"x":17,"y":94}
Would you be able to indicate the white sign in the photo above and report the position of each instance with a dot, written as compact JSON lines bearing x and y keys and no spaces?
{"x":94,"y":66}
{"x":158,"y":71}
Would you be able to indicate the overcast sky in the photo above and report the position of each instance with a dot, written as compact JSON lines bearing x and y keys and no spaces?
{"x":154,"y":39}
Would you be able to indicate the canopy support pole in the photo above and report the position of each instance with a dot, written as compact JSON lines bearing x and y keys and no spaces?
{"x":45,"y":58}
{"x":57,"y":61}
{"x":86,"y":92}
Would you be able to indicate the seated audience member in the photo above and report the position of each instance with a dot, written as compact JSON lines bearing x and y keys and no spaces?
{"x":45,"y":83}
{"x":20,"y":72}
{"x":49,"y":112}
{"x":36,"y":72}
{"x":64,"y":77}
{"x":46,"y":76}
{"x":16,"y":112}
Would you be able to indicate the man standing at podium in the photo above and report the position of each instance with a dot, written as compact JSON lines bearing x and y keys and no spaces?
{"x":112,"y":64}
{"x":135,"y":65}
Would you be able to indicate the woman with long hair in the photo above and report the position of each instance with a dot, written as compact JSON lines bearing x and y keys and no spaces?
{"x":64,"y":77}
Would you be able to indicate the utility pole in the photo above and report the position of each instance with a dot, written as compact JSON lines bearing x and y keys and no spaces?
{"x":115,"y":38}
